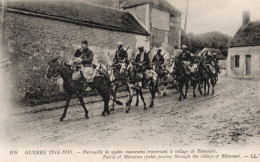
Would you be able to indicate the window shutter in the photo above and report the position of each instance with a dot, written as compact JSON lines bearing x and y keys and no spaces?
{"x":232,"y":62}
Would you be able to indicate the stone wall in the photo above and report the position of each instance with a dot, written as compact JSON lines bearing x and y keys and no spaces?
{"x":33,"y":41}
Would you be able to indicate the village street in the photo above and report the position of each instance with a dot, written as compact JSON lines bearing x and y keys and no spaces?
{"x":229,"y":117}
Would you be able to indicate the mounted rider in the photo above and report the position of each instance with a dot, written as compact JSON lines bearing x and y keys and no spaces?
{"x":207,"y":61}
{"x":86,"y":58}
{"x":158,"y":59}
{"x":185,"y":55}
{"x":120,"y":56}
{"x":142,"y":62}
{"x":215,"y":62}
{"x":185,"y":58}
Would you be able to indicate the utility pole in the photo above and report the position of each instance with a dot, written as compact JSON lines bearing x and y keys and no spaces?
{"x":186,"y":16}
{"x":4,"y":8}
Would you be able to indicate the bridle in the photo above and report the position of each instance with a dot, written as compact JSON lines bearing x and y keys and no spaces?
{"x":61,"y":64}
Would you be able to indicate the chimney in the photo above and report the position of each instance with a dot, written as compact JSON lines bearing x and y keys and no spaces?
{"x":246,"y":17}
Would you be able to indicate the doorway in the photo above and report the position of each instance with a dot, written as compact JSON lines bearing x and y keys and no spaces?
{"x":248,"y":64}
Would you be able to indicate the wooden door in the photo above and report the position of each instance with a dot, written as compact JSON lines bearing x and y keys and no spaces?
{"x":248,"y":64}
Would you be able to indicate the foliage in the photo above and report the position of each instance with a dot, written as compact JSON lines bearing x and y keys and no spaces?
{"x":196,"y":43}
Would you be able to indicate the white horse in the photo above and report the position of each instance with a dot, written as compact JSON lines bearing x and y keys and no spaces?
{"x":134,"y":82}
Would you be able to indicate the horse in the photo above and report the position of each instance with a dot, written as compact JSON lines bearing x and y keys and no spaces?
{"x":194,"y":80}
{"x":116,"y":81}
{"x":206,"y":77}
{"x":130,"y":73}
{"x":182,"y":77}
{"x":102,"y":84}
{"x":163,"y":76}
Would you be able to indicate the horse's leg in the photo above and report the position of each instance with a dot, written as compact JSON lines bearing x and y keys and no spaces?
{"x":208,"y":82}
{"x":142,"y":98}
{"x":213,"y":83}
{"x":165,"y":87}
{"x":205,"y":86}
{"x":199,"y":82}
{"x":180,"y":90}
{"x":83,"y":105}
{"x":186,"y":89}
{"x":68,"y":97}
{"x":137,"y":98}
{"x":165,"y":90}
{"x":106,"y":104}
{"x":130,"y":97}
{"x":106,"y":99}
{"x":157,"y":87}
{"x":153,"y":91}
{"x":104,"y":93}
{"x":194,"y":85}
{"x":113,"y":104}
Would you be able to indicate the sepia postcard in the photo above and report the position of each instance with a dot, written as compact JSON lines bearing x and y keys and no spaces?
{"x":130,"y":80}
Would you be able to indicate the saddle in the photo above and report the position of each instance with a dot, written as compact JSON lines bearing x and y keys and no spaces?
{"x":88,"y":72}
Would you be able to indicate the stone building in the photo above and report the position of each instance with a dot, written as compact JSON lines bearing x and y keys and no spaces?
{"x":160,"y":19}
{"x":244,"y":50}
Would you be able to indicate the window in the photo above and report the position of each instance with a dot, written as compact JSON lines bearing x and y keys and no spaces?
{"x":160,"y":19}
{"x":236,"y":61}
{"x":174,"y":20}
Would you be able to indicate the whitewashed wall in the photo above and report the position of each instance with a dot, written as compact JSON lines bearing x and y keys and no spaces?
{"x":254,"y":51}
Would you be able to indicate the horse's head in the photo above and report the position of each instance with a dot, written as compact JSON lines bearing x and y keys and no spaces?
{"x":125,"y":67}
{"x":53,"y":69}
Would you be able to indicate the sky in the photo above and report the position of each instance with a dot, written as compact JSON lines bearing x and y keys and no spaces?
{"x":224,"y":16}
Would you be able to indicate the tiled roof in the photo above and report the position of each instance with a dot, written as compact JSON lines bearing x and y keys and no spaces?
{"x":109,"y":18}
{"x":248,"y":35}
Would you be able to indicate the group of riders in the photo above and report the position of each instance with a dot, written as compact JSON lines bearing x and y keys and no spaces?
{"x":185,"y":68}
{"x":143,"y":64}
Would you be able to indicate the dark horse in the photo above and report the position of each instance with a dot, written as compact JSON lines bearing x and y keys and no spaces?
{"x":101,"y":84}
{"x":182,"y":78}
{"x":206,"y":77}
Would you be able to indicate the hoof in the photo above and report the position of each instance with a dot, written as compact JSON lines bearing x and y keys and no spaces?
{"x":136,"y":104}
{"x":184,"y":97}
{"x":194,"y":96}
{"x":108,"y":112}
{"x":127,"y":111}
{"x":86,"y":116}
{"x":112,"y":109}
{"x":126,"y":103}
{"x":103,"y":114}
{"x":179,"y":99}
{"x":61,"y":119}
{"x":151,"y":105}
{"x":164,"y":94}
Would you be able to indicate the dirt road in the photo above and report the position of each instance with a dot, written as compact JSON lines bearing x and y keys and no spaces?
{"x":229,"y":117}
